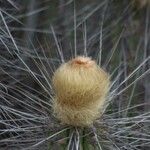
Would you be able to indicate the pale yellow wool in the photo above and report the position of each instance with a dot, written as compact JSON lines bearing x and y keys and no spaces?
{"x":80,"y":88}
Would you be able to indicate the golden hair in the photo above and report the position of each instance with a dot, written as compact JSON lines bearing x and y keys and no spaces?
{"x":80,"y":88}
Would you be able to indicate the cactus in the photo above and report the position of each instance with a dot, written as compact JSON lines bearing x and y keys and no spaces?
{"x":74,"y":75}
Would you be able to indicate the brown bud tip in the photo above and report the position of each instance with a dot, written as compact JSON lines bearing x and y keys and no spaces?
{"x":82,"y":61}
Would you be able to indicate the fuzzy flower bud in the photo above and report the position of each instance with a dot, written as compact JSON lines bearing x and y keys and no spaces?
{"x":80,"y":88}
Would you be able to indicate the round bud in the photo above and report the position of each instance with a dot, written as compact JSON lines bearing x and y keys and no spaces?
{"x":80,"y":88}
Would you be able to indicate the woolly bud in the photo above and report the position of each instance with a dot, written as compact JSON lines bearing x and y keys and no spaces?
{"x":80,"y":88}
